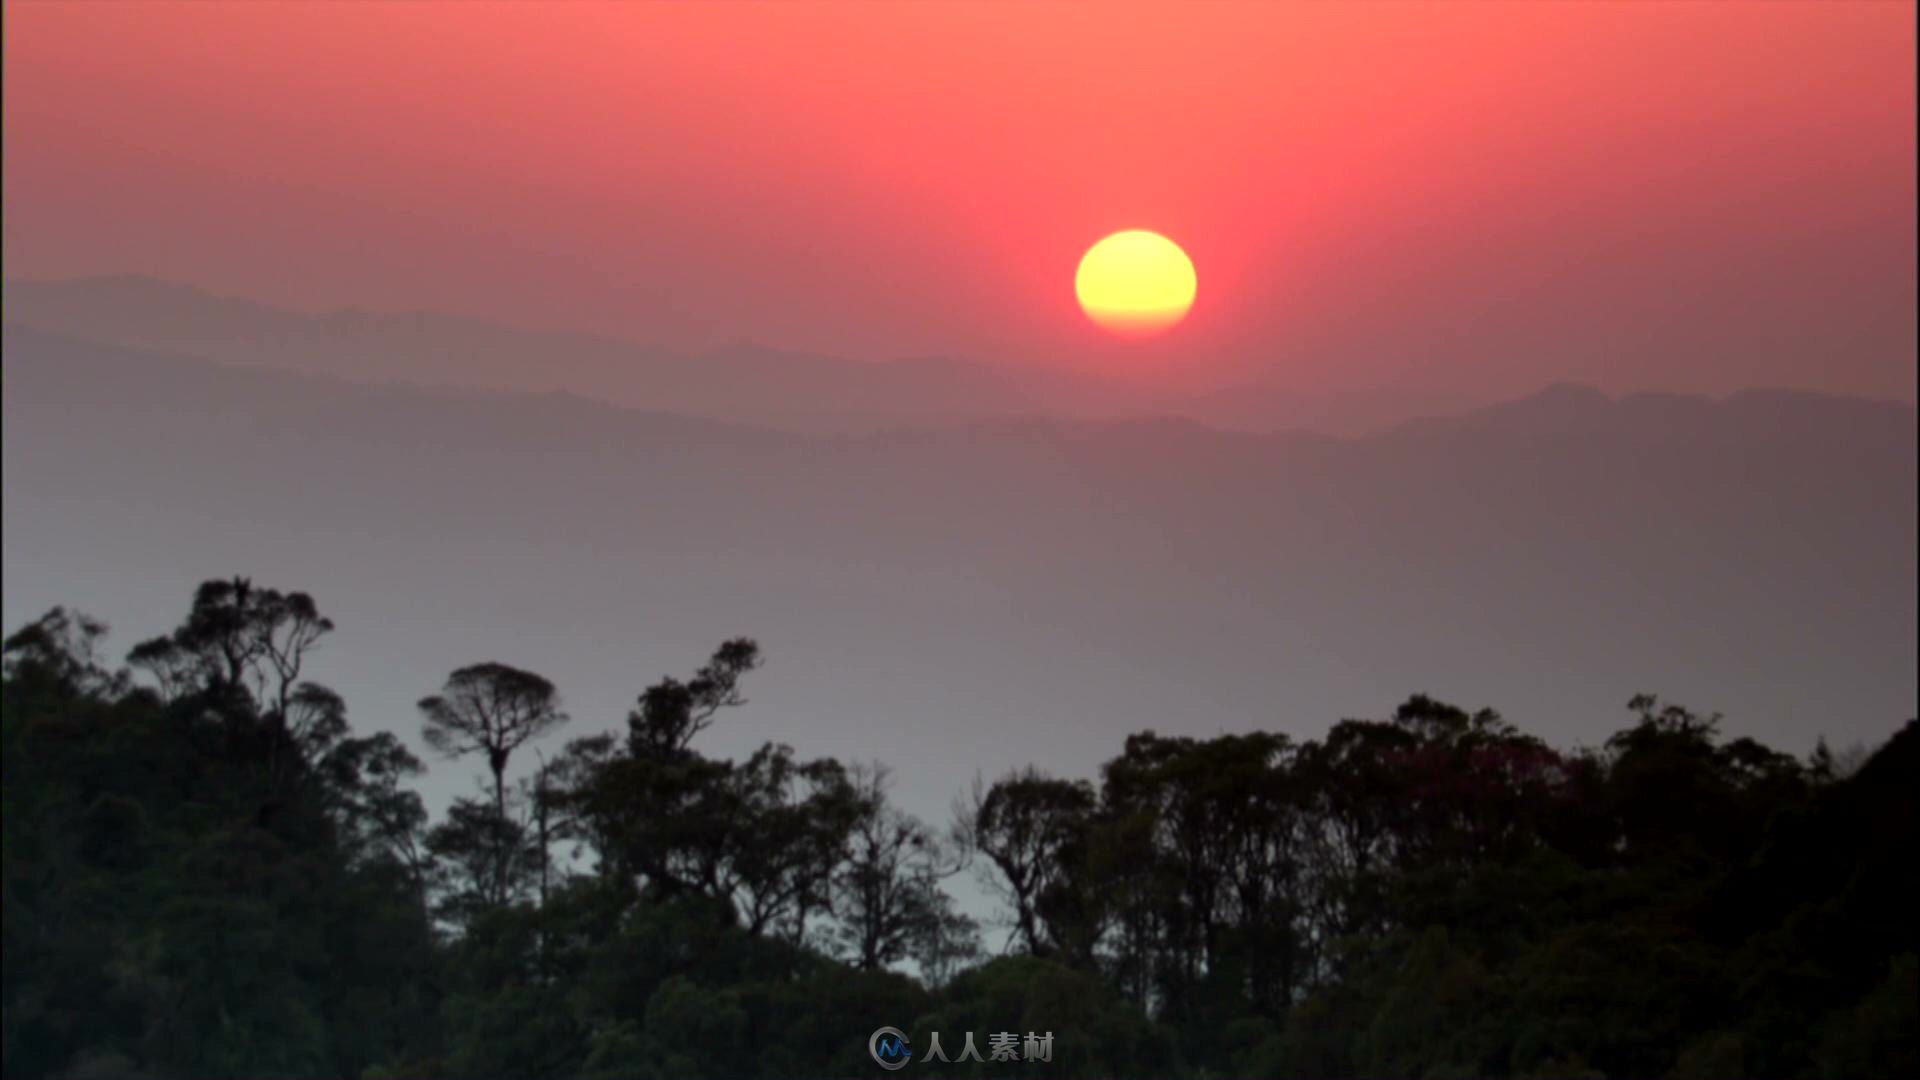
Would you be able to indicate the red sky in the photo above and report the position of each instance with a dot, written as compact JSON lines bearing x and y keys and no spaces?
{"x":1696,"y":197}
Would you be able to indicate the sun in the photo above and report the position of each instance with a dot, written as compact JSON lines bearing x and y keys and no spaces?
{"x":1135,"y":283}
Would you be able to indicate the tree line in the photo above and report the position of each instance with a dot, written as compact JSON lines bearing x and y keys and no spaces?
{"x":208,"y":872}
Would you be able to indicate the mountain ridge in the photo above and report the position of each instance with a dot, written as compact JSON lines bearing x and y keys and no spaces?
{"x":744,"y":380}
{"x":1553,"y":404}
{"x":1751,"y":555}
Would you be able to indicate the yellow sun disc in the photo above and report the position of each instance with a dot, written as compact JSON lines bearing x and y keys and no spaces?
{"x":1135,"y":283}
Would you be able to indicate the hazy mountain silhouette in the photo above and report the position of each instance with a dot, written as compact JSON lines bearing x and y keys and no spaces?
{"x":745,"y":382}
{"x":999,"y":593}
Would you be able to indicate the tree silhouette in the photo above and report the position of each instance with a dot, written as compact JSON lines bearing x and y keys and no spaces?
{"x":240,"y":636}
{"x":886,"y":893}
{"x":490,"y":709}
{"x":672,"y":712}
{"x":209,"y":873}
{"x":1024,"y":824}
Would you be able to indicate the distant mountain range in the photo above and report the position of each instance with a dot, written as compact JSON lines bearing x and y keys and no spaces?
{"x":749,"y":383}
{"x":984,"y":594}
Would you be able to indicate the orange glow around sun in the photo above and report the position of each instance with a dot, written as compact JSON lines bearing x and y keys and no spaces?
{"x":1135,"y":283}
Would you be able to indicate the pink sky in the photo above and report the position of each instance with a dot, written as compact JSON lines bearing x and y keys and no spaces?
{"x":1696,"y":197}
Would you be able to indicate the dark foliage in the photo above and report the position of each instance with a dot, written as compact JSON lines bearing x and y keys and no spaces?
{"x":206,"y":873}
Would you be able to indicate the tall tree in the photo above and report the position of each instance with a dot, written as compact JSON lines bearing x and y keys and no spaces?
{"x":886,"y":890}
{"x":790,"y":821}
{"x":491,"y":709}
{"x":672,"y":712}
{"x":1025,"y":825}
{"x":238,"y":635}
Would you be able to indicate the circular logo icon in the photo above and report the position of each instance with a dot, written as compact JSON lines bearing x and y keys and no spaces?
{"x":889,"y":1048}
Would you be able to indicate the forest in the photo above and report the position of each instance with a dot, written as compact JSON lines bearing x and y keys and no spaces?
{"x":208,"y":873}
